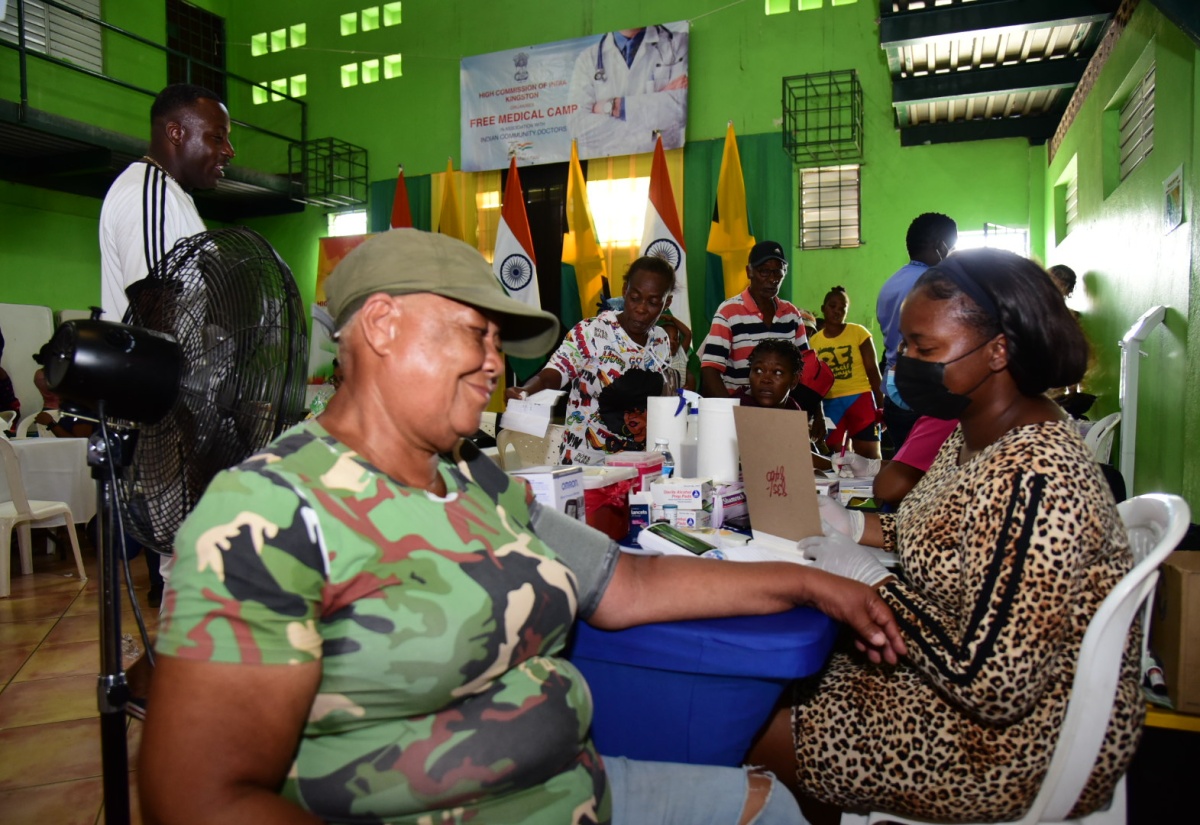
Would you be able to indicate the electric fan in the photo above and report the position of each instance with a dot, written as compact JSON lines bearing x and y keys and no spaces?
{"x":210,"y":367}
{"x":231,"y":304}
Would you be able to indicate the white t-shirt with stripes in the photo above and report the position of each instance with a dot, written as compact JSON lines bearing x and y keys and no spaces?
{"x":144,"y":213}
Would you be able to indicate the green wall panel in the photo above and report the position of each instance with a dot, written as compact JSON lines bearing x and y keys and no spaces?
{"x":1125,"y":258}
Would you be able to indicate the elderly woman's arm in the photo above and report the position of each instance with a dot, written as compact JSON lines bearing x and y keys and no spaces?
{"x":220,"y":739}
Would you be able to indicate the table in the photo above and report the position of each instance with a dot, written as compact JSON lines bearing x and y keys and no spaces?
{"x":56,"y":469}
{"x":695,"y":691}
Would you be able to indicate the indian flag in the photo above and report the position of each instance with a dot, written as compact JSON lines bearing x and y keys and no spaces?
{"x":513,"y":261}
{"x":663,"y":233}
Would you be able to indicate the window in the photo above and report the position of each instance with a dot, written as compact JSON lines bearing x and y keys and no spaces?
{"x":995,"y":236}
{"x":347,"y":223}
{"x":1066,"y":200}
{"x":197,"y":34}
{"x":58,"y":33}
{"x":1136,"y":126}
{"x":830,"y":207}
{"x":391,"y":14}
{"x":619,"y":210}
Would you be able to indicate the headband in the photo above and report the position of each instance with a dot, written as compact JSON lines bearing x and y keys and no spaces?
{"x":957,"y":274}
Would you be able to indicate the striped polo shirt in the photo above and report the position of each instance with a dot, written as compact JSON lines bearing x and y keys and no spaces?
{"x":737,"y":327}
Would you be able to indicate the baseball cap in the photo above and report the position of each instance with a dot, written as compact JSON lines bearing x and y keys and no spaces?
{"x":764,"y":251}
{"x":407,"y":261}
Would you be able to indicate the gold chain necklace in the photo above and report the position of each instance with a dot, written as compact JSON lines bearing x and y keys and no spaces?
{"x":159,"y":167}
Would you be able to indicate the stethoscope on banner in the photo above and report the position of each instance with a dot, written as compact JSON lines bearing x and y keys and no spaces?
{"x":602,"y":76}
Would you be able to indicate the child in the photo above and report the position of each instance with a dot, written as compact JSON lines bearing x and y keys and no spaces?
{"x":775,"y":366}
{"x":856,"y":393}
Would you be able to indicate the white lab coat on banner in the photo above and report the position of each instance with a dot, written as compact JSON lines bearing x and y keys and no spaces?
{"x":661,"y":59}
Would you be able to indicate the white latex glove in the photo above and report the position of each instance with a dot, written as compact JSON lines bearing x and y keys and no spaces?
{"x":853,"y":465}
{"x":836,"y":519}
{"x":839,"y":555}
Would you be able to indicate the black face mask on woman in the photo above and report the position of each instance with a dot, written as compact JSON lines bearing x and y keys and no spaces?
{"x":922,"y":386}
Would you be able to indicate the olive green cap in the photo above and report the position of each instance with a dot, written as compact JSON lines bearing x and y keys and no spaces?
{"x":407,"y":261}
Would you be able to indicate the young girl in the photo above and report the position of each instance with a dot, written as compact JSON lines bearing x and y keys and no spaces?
{"x":856,"y":393}
{"x":775,"y":366}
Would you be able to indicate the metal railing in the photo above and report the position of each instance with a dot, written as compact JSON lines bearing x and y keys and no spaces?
{"x":25,"y":53}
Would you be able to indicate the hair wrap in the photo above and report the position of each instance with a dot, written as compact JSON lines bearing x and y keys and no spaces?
{"x":958,"y":275}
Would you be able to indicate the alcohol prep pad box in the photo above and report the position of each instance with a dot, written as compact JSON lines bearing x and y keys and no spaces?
{"x":684,"y":493}
{"x":557,"y":487}
{"x":649,"y":466}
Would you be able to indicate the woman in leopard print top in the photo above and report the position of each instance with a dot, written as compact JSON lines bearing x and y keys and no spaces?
{"x":1008,"y":545}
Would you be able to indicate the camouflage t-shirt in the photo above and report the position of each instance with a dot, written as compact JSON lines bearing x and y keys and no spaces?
{"x":439,"y":624}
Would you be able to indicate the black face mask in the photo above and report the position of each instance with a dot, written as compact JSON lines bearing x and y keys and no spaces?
{"x":922,"y":386}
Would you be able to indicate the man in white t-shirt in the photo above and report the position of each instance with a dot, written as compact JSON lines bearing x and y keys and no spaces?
{"x":149,"y":207}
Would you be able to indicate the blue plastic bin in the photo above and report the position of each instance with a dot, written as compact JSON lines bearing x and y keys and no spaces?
{"x":695,"y":691}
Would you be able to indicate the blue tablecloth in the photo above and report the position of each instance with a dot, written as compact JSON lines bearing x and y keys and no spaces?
{"x":696,"y":691}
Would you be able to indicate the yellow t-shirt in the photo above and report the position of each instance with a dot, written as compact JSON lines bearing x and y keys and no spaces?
{"x":843,"y":354}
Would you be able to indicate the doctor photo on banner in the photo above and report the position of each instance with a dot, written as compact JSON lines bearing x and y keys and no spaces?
{"x":629,"y":87}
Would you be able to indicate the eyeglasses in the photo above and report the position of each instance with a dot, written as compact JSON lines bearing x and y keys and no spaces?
{"x":771,"y":273}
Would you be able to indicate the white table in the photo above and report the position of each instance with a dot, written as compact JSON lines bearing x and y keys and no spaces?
{"x":56,"y":469}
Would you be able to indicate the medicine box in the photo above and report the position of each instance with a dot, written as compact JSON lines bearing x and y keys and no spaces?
{"x":1175,"y":628}
{"x":648,"y":466}
{"x":557,"y":487}
{"x":684,"y":493}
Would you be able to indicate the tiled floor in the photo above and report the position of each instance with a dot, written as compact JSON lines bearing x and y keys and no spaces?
{"x":49,"y":724}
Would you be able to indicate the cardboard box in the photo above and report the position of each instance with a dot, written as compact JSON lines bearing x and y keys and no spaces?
{"x":777,"y":473}
{"x":1175,"y":629}
{"x":684,"y":493}
{"x":557,"y":487}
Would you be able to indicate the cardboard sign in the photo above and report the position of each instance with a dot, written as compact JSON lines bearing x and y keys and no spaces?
{"x":777,"y":471}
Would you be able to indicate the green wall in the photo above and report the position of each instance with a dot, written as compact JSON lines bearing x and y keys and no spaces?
{"x":1127,"y":263}
{"x":738,"y":55}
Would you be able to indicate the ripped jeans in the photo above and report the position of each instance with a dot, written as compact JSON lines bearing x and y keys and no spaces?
{"x":669,"y":793}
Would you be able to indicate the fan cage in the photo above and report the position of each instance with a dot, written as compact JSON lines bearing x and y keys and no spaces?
{"x":234,"y":309}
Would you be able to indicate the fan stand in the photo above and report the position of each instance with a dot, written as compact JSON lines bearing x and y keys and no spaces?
{"x":104,"y":451}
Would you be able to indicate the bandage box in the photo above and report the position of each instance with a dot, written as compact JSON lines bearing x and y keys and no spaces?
{"x":684,"y":493}
{"x":1175,"y":629}
{"x":557,"y":487}
{"x":648,"y":465}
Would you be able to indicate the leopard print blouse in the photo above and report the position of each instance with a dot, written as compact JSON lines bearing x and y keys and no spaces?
{"x":1007,"y":558}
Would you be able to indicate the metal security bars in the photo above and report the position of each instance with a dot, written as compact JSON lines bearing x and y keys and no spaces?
{"x":823,"y":117}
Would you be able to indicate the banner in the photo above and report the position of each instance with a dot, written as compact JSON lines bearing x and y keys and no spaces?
{"x":613,"y":93}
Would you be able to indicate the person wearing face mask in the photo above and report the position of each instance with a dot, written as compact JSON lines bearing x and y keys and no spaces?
{"x":598,"y":351}
{"x":1008,"y":546}
{"x":930,"y":238}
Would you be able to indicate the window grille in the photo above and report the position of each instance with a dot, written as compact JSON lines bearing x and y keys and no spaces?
{"x":200,"y":35}
{"x":1071,"y":204}
{"x":1137,"y":125}
{"x":830,"y":209}
{"x":58,"y":33}
{"x":823,"y":118}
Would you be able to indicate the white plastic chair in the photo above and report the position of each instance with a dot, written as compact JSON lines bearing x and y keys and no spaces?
{"x":1099,"y":437}
{"x":19,"y":512}
{"x":487,"y":423}
{"x":1155,"y":522}
{"x":530,"y":450}
{"x":30,"y":421}
{"x":6,"y":420}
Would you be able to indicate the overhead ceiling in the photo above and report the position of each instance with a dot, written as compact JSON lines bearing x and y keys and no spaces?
{"x":979,"y":69}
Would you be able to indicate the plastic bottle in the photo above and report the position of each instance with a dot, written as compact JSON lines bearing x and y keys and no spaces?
{"x":691,"y":445}
{"x":663,"y":447}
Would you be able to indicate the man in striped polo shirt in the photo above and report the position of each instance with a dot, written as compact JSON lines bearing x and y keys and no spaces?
{"x":740,"y":323}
